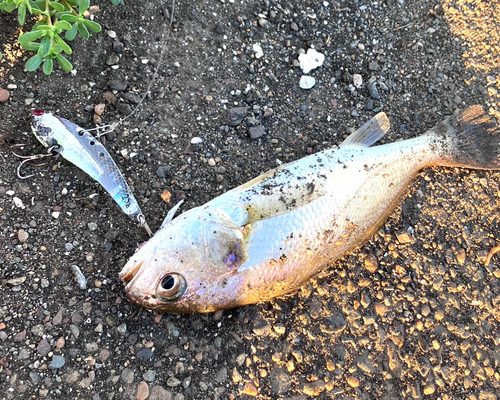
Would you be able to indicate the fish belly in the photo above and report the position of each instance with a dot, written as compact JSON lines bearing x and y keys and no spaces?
{"x":363,"y":187}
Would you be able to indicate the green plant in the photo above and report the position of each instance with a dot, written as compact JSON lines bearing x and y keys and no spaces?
{"x":56,"y":17}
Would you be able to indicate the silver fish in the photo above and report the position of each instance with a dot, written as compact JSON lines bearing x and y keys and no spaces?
{"x":266,"y":237}
{"x":82,"y":149}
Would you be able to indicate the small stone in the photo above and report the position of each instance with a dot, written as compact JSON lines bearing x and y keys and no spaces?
{"x":123,"y":108}
{"x":142,"y":391}
{"x":145,"y":354}
{"x":24,"y":354}
{"x":109,"y":97}
{"x":211,"y":162}
{"x":335,"y":323}
{"x":117,"y":84}
{"x":237,"y":115}
{"x":159,"y":393}
{"x":43,"y":347}
{"x":127,"y":375}
{"x":118,"y":46}
{"x":380,"y":309}
{"x":373,"y":66}
{"x":221,"y":376}
{"x":4,"y":95}
{"x":307,"y":82}
{"x":111,"y":34}
{"x":373,"y":91}
{"x":353,"y":381}
{"x":256,"y":131}
{"x":371,"y":263}
{"x":429,"y":389}
{"x":57,"y":362}
{"x":250,"y":389}
{"x":173,"y":382}
{"x":311,"y":60}
{"x":294,"y":26}
{"x":149,"y":375}
{"x":22,"y":235}
{"x":357,"y":80}
{"x":60,"y":342}
{"x":404,"y":236}
{"x":99,"y":108}
{"x":261,"y":327}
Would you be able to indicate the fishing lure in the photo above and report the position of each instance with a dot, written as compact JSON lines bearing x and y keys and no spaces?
{"x":82,"y":149}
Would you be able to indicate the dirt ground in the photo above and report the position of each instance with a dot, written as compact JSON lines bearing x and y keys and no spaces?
{"x":406,"y":316}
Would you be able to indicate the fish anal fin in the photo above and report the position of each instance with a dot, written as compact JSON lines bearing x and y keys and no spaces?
{"x":370,"y":132}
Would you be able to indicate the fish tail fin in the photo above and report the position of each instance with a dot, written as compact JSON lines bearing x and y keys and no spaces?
{"x":469,"y":138}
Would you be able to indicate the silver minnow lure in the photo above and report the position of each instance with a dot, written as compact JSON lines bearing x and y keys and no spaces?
{"x":79,"y":147}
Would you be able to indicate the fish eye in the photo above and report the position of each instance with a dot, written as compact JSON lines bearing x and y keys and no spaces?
{"x":171,"y":287}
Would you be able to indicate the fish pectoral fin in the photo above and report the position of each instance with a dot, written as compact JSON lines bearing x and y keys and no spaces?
{"x":370,"y":132}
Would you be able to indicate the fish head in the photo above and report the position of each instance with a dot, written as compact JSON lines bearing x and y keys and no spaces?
{"x":190,"y":265}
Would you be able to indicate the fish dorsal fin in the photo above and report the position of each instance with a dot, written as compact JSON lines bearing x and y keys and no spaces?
{"x":370,"y":132}
{"x":170,"y":214}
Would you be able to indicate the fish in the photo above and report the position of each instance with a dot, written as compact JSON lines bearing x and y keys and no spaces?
{"x":267,"y":237}
{"x":82,"y":149}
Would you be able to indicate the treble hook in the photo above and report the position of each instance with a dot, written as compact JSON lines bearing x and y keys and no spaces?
{"x":51,"y":152}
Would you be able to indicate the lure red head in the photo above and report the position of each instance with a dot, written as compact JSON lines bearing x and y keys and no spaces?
{"x":37,"y":112}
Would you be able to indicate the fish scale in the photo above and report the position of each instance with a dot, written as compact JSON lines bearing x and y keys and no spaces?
{"x":268,"y":236}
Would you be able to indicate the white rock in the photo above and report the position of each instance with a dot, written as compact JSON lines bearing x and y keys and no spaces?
{"x":258,"y":50}
{"x":55,"y":214}
{"x":307,"y":82}
{"x":357,"y":80}
{"x":311,"y":60}
{"x":18,"y":202}
{"x":112,"y":34}
{"x":196,"y":140}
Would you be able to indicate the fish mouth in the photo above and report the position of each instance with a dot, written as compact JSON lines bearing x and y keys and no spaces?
{"x":130,"y":271}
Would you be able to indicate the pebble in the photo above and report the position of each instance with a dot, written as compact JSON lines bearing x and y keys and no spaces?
{"x":123,"y":108}
{"x":311,"y":60}
{"x":335,"y":323}
{"x":117,"y":84}
{"x":127,"y":375}
{"x":173,"y":382}
{"x":357,"y":80}
{"x":307,"y":82}
{"x":142,"y":391}
{"x":43,"y":347}
{"x":145,"y":354}
{"x":256,"y":132}
{"x":149,"y":375}
{"x":57,"y":362}
{"x":109,"y":97}
{"x":111,"y":34}
{"x":380,"y":309}
{"x":159,"y":393}
{"x":373,"y":66}
{"x":4,"y":95}
{"x":373,"y":91}
{"x":280,"y":381}
{"x":99,"y":108}
{"x":237,"y":115}
{"x":80,"y":278}
{"x":250,"y":389}
{"x":113,"y":59}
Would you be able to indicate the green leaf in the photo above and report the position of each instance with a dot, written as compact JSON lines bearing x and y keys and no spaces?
{"x":31,"y":46}
{"x":8,"y":7}
{"x":116,"y":2}
{"x":44,"y":28}
{"x":48,"y":65}
{"x":68,"y":17}
{"x":82,"y":29}
{"x":83,"y":6}
{"x":57,"y":6}
{"x":71,"y":34}
{"x":30,"y":36}
{"x":93,"y":26}
{"x":63,"y":44}
{"x":44,"y":49}
{"x":21,"y":14}
{"x":37,"y":11}
{"x":64,"y":25}
{"x":33,"y":63}
{"x":64,"y":63}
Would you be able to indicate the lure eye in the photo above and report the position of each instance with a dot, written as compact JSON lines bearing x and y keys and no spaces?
{"x":37,"y":112}
{"x":171,"y":287}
